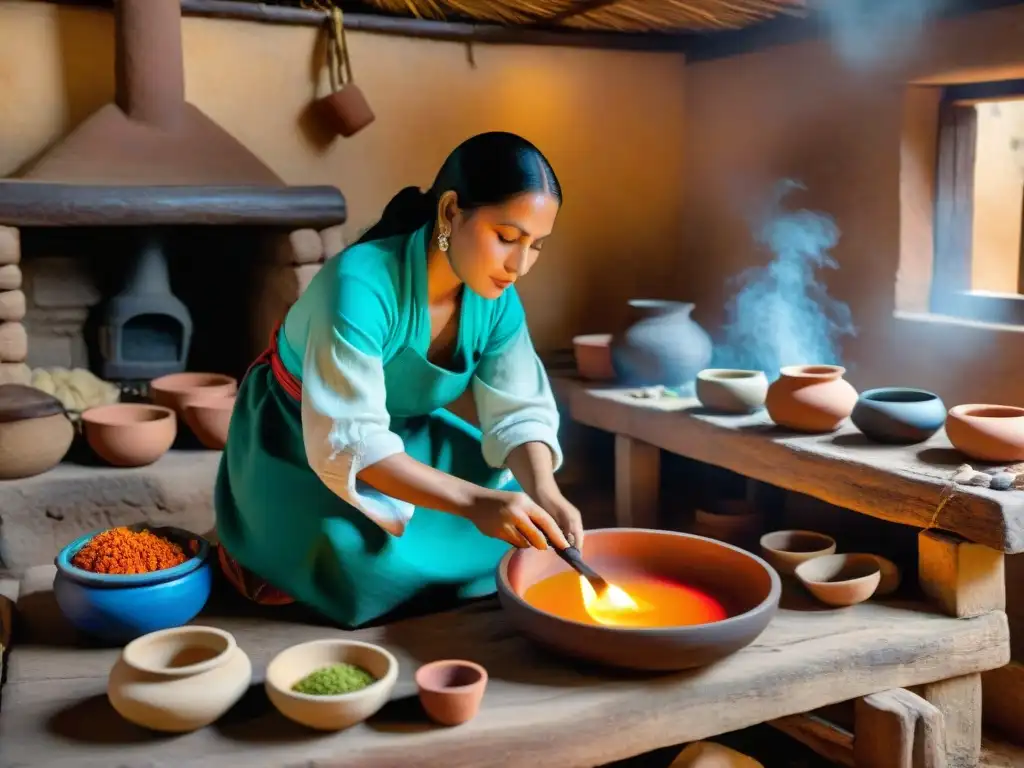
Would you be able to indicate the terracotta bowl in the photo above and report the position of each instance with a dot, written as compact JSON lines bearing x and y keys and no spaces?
{"x":841,"y":580}
{"x":330,"y":713}
{"x":785,"y":550}
{"x":993,"y":433}
{"x":209,"y":418}
{"x":745,"y":583}
{"x":178,"y":389}
{"x":593,"y":356}
{"x":451,"y":690}
{"x":129,"y":434}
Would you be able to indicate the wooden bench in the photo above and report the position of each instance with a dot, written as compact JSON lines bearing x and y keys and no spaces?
{"x":964,"y":531}
{"x":539,"y":710}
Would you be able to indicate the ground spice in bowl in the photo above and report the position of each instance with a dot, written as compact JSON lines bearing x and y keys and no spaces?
{"x":334,"y":680}
{"x":124,"y":551}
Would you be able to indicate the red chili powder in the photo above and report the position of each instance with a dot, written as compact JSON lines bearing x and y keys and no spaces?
{"x":123,"y":551}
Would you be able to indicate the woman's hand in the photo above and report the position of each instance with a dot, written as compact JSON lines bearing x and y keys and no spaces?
{"x":517,"y":519}
{"x":565,"y":514}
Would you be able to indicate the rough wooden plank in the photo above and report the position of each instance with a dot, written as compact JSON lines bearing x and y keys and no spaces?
{"x":900,"y":484}
{"x":966,"y":579}
{"x":830,"y":741}
{"x":898,"y":729}
{"x":539,"y":710}
{"x":1003,"y":700}
{"x":959,"y":700}
{"x":637,"y":477}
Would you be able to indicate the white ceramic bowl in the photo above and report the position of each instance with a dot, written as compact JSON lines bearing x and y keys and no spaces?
{"x":330,"y":713}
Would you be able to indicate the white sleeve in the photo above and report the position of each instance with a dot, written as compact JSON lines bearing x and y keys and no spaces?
{"x":345,"y":426}
{"x":514,"y":402}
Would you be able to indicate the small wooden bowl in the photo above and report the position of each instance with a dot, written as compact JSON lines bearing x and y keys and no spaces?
{"x":841,"y":580}
{"x":785,"y":550}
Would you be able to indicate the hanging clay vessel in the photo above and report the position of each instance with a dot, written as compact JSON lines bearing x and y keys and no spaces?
{"x":993,"y":433}
{"x":662,"y":345}
{"x":179,"y":680}
{"x":811,"y":398}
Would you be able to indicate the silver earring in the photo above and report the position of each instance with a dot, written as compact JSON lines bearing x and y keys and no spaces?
{"x":442,"y":240}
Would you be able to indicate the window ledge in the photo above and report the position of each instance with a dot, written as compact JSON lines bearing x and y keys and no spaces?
{"x":921,"y":318}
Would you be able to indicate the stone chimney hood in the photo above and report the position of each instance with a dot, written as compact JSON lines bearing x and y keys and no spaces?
{"x":152,"y":158}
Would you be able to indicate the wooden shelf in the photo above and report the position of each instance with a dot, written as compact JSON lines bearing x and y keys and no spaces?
{"x":539,"y":710}
{"x":902,"y":484}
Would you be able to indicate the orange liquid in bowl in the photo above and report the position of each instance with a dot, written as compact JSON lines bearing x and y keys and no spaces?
{"x":660,"y":602}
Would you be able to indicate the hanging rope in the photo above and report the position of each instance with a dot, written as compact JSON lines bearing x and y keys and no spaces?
{"x":337,"y":52}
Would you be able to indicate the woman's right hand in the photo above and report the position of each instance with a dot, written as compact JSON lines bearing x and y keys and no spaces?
{"x":515,"y":518}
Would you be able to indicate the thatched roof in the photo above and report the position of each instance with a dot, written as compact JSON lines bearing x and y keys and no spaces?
{"x":594,"y":15}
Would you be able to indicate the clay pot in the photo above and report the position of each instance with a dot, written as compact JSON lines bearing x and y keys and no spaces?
{"x":451,"y":690}
{"x":729,"y":390}
{"x":662,"y":345}
{"x":209,"y":418}
{"x":811,"y":398}
{"x":346,"y":111}
{"x":736,"y":523}
{"x":785,"y":550}
{"x":993,"y":433}
{"x":841,"y":580}
{"x":35,"y":432}
{"x":708,"y":754}
{"x":898,"y":415}
{"x":129,"y":434}
{"x":179,"y":680}
{"x":176,"y":390}
{"x":330,"y":713}
{"x":593,"y":356}
{"x":743,"y":582}
{"x":891,"y":576}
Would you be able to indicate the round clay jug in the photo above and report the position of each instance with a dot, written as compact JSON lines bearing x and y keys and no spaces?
{"x":811,"y":398}
{"x":662,"y":345}
{"x":179,"y":680}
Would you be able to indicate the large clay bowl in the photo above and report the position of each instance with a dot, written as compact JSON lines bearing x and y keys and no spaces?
{"x":993,"y":433}
{"x":898,"y":415}
{"x":746,"y":584}
{"x":176,"y":390}
{"x":129,"y":434}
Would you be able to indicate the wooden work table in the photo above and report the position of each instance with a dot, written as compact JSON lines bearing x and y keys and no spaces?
{"x":902,"y":484}
{"x":539,"y":710}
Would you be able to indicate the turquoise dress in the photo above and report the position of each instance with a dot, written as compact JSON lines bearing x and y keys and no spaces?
{"x":289,"y":506}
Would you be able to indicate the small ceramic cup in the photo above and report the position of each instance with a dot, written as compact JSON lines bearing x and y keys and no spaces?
{"x":451,"y":690}
{"x":731,"y":390}
{"x":593,"y":356}
{"x":841,"y":580}
{"x":785,"y":550}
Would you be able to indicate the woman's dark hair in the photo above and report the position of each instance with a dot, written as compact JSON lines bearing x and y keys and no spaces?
{"x":488,"y":169}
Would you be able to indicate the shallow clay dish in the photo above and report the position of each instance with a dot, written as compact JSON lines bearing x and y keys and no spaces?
{"x":731,"y":390}
{"x":785,"y":550}
{"x":129,"y":434}
{"x":841,"y":580}
{"x":330,"y":713}
{"x":451,"y":690}
{"x":176,"y":390}
{"x":747,"y":586}
{"x":993,"y":433}
{"x":209,"y":418}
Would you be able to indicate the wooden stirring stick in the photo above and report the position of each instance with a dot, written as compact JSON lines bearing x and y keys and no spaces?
{"x":572,"y":556}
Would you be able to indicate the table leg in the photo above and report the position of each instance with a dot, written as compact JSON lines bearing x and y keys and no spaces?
{"x":637,"y":480}
{"x":898,"y":729}
{"x":959,"y":701}
{"x":964,"y":579}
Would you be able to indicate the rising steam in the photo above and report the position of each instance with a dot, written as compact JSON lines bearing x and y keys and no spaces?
{"x":869,"y":33}
{"x":780,"y":314}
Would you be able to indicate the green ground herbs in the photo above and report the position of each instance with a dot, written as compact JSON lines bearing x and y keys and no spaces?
{"x":334,"y":680}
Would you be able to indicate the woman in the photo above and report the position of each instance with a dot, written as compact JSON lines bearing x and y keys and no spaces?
{"x":345,"y":483}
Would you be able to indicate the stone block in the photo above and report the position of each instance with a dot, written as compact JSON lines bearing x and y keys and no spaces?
{"x":61,"y":282}
{"x":10,"y":277}
{"x":303,"y":246}
{"x":40,"y":515}
{"x":13,"y":343}
{"x":15,"y":373}
{"x":333,"y":239}
{"x":12,"y":306}
{"x":10,"y":245}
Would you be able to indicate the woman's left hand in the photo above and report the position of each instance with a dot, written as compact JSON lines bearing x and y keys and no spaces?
{"x":565,"y":514}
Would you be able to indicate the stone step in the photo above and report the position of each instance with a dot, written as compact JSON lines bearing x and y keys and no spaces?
{"x":39,"y":515}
